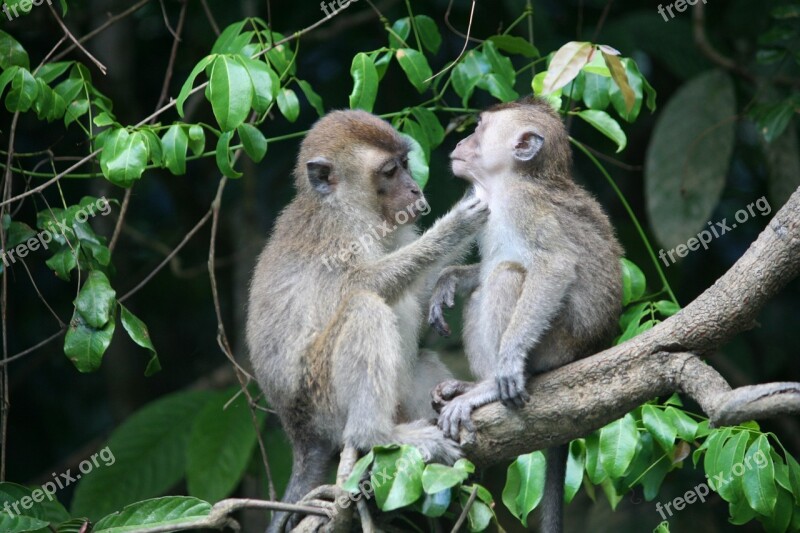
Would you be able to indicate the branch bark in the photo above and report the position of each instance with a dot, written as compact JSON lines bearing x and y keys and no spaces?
{"x":590,"y":393}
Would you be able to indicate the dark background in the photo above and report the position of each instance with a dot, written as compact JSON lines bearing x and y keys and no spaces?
{"x":59,"y":417}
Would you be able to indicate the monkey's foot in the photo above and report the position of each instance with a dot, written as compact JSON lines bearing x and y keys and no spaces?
{"x":455,"y":415}
{"x":445,"y":391}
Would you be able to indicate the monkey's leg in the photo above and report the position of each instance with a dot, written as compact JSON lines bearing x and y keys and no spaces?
{"x":429,"y":372}
{"x":311,"y":464}
{"x":369,"y":371}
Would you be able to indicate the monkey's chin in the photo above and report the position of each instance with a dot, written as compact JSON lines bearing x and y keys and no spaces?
{"x":459,"y":169}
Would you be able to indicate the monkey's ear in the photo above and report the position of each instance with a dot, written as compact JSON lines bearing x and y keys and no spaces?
{"x":319,"y":175}
{"x":528,"y":145}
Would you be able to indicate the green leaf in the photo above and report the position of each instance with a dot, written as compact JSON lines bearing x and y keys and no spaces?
{"x":713,"y":447}
{"x":437,"y":477}
{"x":732,"y":453}
{"x":596,"y":91}
{"x":226,"y":39}
{"x":288,"y":104}
{"x":686,"y":425}
{"x":23,"y":93}
{"x":524,"y":485}
{"x":428,"y":33}
{"x":311,"y":95}
{"x":45,"y":511}
{"x":414,"y":130}
{"x":436,"y":504}
{"x":49,"y":72}
{"x":430,"y":124}
{"x":417,"y":162}
{"x":633,"y":281}
{"x":618,"y":445}
{"x":265,"y":82}
{"x":220,"y":446}
{"x":688,"y":157}
{"x":180,"y":511}
{"x":359,"y":469}
{"x":498,"y":87}
{"x":188,"y":85}
{"x":468,"y":73}
{"x":128,"y":158}
{"x":667,"y":308}
{"x":566,"y":63}
{"x":781,"y":517}
{"x":514,"y":45}
{"x":398,"y":37}
{"x":758,"y":481}
{"x":403,"y":467}
{"x":594,"y":468}
{"x":96,"y":299}
{"x":636,"y":82}
{"x":62,"y":263}
{"x":773,"y":119}
{"x":197,"y":139}
{"x":794,"y":477}
{"x":253,"y":141}
{"x":137,"y":331}
{"x":575,"y":464}
{"x":660,"y":426}
{"x":85,"y":345}
{"x":365,"y":82}
{"x":149,"y":456}
{"x":606,"y":125}
{"x":479,"y":515}
{"x":12,"y":53}
{"x":415,"y":66}
{"x":224,"y":156}
{"x":175,"y":143}
{"x":230,"y":91}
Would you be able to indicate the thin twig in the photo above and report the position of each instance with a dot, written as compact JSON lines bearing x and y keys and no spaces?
{"x":33,"y":348}
{"x":167,"y":259}
{"x":118,"y":227}
{"x":466,"y":43}
{"x":75,"y":41}
{"x":453,"y":29}
{"x":110,"y":22}
{"x":465,"y":512}
{"x":166,"y":20}
{"x":212,"y":21}
{"x":38,"y":292}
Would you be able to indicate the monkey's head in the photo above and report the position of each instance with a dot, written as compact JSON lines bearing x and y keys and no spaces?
{"x":521,"y":138}
{"x":355,"y":159}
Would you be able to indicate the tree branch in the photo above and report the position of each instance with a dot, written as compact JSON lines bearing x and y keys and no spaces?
{"x":579,"y":398}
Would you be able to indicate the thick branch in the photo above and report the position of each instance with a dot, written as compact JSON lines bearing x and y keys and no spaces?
{"x":581,"y":397}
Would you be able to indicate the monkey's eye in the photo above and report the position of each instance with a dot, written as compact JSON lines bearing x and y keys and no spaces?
{"x":404,"y":162}
{"x":389,"y":170}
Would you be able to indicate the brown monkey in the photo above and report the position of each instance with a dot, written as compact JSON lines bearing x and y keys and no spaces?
{"x":336,"y":300}
{"x":548,"y":288}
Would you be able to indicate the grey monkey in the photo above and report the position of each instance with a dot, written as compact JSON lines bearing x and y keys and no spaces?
{"x":548,"y":288}
{"x":337,"y":300}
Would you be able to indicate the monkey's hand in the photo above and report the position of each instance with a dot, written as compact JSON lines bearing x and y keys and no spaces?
{"x":445,"y":391}
{"x":455,"y":415}
{"x":444,"y":294}
{"x":510,"y":378}
{"x":475,"y":212}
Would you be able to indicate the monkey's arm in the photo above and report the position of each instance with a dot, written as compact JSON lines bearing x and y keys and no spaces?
{"x":391,"y":275}
{"x":542,"y":297}
{"x":453,"y":280}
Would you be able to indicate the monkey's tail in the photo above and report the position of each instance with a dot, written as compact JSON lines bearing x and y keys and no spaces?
{"x":553,"y":500}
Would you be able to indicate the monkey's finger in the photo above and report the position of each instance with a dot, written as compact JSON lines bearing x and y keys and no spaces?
{"x":467,"y":423}
{"x":502,"y":386}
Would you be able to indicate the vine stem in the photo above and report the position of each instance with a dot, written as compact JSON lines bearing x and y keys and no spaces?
{"x":631,"y":214}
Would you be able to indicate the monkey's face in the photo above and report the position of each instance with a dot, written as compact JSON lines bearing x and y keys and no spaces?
{"x":400,"y":200}
{"x":499,"y":144}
